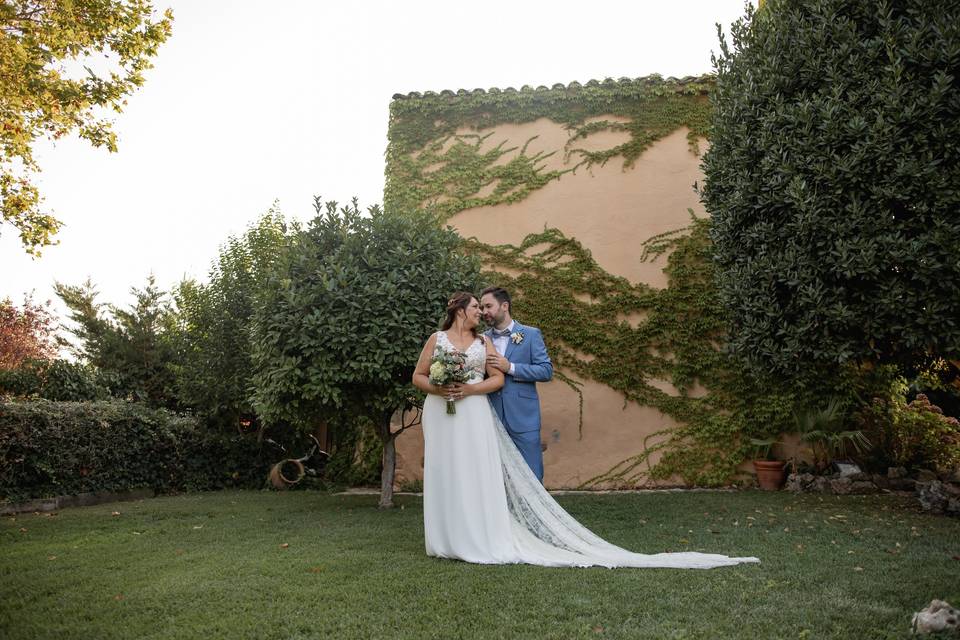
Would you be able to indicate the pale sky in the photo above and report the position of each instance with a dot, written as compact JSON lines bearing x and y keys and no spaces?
{"x":251,"y":102}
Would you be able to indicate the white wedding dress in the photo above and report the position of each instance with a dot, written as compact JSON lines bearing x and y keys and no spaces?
{"x":483,"y":504}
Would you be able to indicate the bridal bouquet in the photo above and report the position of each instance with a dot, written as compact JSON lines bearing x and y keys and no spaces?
{"x":447,"y":367}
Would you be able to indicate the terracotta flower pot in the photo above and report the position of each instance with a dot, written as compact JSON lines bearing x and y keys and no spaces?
{"x":286,"y":473}
{"x":770,"y":474}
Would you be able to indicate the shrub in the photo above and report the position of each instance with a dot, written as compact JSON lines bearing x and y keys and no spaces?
{"x":61,"y":448}
{"x":914,"y":434}
{"x":54,"y":380}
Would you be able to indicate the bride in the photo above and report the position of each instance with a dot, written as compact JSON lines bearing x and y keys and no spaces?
{"x":481,"y":502}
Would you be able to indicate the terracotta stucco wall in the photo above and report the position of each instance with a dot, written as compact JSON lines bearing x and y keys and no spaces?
{"x":611,"y":210}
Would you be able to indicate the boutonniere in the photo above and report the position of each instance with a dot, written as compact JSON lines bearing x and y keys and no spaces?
{"x":516,"y":337}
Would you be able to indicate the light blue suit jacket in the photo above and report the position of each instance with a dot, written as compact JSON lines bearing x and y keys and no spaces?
{"x":517,"y":404}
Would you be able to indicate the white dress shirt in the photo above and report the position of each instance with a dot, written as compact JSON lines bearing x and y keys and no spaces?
{"x":500,"y":343}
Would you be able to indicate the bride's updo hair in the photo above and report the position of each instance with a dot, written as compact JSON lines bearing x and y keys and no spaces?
{"x":459,"y":301}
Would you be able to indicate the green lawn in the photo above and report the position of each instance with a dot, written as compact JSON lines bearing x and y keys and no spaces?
{"x":215,"y":565}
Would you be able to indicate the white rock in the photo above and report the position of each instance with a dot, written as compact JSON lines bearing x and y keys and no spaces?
{"x":938,"y":616}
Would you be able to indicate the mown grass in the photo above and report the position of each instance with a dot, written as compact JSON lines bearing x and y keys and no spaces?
{"x":214,"y":565}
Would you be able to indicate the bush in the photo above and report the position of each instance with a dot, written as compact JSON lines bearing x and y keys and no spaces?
{"x":62,"y":448}
{"x":54,"y":380}
{"x":913,"y":435}
{"x":832,"y":179}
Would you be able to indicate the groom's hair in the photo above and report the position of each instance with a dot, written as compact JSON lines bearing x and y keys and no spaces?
{"x":501,"y":294}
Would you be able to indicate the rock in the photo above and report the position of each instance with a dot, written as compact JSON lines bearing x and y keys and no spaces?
{"x":819,"y":485}
{"x":862,"y":487}
{"x":846,"y":468}
{"x":895,"y":473}
{"x":903,"y":484}
{"x":800,"y":482}
{"x":925,"y":475}
{"x":840,"y":486}
{"x":860,"y":476}
{"x":794,"y":483}
{"x":938,"y":497}
{"x":880,"y":481}
{"x":938,"y":616}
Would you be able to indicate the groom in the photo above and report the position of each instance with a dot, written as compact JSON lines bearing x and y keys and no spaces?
{"x":523,"y":358}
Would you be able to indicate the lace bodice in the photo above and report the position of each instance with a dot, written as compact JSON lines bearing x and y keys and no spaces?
{"x":476,"y":355}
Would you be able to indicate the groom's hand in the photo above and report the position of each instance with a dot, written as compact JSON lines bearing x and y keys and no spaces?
{"x":498,"y":361}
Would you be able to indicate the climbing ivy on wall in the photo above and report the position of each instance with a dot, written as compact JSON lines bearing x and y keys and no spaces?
{"x":587,"y":312}
{"x":600,"y":326}
{"x":436,"y":157}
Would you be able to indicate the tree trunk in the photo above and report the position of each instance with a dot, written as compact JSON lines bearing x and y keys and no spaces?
{"x":389,"y":464}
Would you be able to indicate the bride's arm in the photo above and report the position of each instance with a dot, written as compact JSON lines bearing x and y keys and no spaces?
{"x":421,"y":375}
{"x":494,"y":378}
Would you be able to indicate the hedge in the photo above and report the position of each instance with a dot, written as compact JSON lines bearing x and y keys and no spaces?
{"x":63,"y":448}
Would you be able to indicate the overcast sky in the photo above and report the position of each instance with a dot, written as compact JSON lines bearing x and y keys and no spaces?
{"x":251,"y":102}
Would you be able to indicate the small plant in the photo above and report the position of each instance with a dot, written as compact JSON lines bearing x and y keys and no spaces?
{"x":820,"y":427}
{"x":763,"y":447}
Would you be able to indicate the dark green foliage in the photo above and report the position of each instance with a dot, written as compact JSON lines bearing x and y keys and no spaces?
{"x":214,"y":370}
{"x":341,"y":323}
{"x":132,"y":347}
{"x":63,"y":448}
{"x":833,"y":181}
{"x":54,"y":380}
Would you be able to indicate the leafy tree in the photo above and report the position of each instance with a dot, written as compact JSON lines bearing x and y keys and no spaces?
{"x":26,"y":333}
{"x":833,"y":182}
{"x":214,"y":367}
{"x":49,"y":50}
{"x":340,"y":327}
{"x":132,"y":347}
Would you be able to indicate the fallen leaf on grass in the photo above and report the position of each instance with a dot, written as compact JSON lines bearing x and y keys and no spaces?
{"x":858,"y":568}
{"x":114,"y":513}
{"x":198,"y":526}
{"x":23,"y":529}
{"x":51,"y":557}
{"x":315,"y":569}
{"x":285,"y":545}
{"x":598,"y":628}
{"x":118,"y":597}
{"x":179,"y":552}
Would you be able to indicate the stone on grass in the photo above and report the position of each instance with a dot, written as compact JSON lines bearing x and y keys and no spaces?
{"x":938,"y":616}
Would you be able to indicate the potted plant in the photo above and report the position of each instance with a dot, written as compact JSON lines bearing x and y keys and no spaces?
{"x":770,"y":471}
